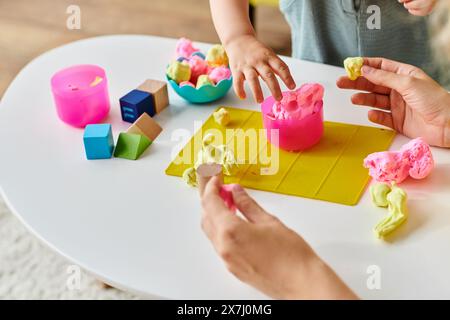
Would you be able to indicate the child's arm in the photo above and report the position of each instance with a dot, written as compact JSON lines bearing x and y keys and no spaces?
{"x":249,"y":58}
{"x":419,"y":7}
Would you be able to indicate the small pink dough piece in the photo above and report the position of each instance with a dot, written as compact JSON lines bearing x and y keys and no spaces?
{"x":388,"y":166}
{"x":185,"y":48}
{"x":218,"y":74}
{"x":300,"y":103}
{"x":198,"y":67}
{"x":226,"y":193}
{"x":186,"y":83}
{"x":309,"y":94}
{"x":420,"y":158}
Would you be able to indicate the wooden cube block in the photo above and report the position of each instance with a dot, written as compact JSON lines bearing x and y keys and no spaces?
{"x":135,"y":103}
{"x":98,"y":141}
{"x":159,"y":91}
{"x":146,"y":126}
{"x":131,"y":146}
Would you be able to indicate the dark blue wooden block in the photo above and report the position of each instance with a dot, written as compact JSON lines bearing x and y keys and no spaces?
{"x":135,"y":103}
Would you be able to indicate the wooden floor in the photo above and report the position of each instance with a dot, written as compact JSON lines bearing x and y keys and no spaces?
{"x":31,"y":27}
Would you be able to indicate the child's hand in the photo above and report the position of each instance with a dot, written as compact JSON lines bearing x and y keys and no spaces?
{"x":410,"y":101}
{"x":263,"y":252}
{"x":419,"y":7}
{"x":249,"y":60}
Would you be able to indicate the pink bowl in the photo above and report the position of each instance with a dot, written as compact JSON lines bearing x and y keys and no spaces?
{"x":293,"y":134}
{"x":78,"y":101}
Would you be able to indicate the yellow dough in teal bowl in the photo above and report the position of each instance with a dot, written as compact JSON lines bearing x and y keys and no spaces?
{"x":204,"y":94}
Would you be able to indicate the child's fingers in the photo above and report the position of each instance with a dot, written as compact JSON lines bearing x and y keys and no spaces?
{"x":361,"y":84}
{"x":416,"y":4}
{"x":282,"y":70}
{"x":238,"y":84}
{"x":381,"y":117}
{"x":253,"y":80}
{"x":374,"y":100}
{"x":269,"y":78}
{"x":418,"y":12}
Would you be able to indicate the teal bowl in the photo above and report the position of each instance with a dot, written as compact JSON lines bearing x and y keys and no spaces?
{"x":204,"y":94}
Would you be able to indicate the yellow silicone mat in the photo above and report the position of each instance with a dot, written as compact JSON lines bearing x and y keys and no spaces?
{"x":331,"y":171}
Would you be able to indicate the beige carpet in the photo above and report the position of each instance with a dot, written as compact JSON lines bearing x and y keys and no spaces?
{"x":30,"y":270}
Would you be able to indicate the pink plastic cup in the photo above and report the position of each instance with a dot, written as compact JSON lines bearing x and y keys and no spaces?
{"x":293,"y":134}
{"x":81,"y":95}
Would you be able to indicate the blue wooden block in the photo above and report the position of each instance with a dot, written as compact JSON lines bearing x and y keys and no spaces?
{"x":98,"y":141}
{"x":135,"y":103}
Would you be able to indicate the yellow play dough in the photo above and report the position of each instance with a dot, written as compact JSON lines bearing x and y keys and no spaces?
{"x":353,"y":67}
{"x":216,"y":56}
{"x":222,"y":117}
{"x":398,"y":212}
{"x":217,"y":154}
{"x":179,"y":71}
{"x":204,"y":80}
{"x":190,"y":176}
{"x":96,"y":81}
{"x":378,"y":194}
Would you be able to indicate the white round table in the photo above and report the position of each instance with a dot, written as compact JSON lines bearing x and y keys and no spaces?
{"x":138,"y":229}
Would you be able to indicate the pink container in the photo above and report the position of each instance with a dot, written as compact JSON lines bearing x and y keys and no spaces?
{"x":81,"y":95}
{"x":294,"y":134}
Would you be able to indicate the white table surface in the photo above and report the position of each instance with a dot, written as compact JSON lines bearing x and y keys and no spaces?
{"x":138,"y":229}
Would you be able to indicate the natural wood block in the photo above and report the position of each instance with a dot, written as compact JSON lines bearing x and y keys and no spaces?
{"x":159,"y":91}
{"x":146,"y":126}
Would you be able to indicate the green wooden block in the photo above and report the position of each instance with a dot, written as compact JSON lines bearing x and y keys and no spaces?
{"x":131,"y":146}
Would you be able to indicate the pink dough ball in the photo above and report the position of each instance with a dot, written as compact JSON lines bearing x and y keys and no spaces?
{"x":185,"y":48}
{"x":198,"y":68}
{"x":187,"y":83}
{"x":218,"y":74}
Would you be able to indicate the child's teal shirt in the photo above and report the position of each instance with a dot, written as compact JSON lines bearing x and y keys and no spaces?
{"x":328,"y":31}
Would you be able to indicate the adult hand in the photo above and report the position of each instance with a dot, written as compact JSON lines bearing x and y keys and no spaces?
{"x":407,"y":99}
{"x":264,"y":253}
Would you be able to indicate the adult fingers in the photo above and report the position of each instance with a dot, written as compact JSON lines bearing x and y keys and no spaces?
{"x":269,"y":78}
{"x":361,"y":84}
{"x":395,"y":67}
{"x":381,"y":117}
{"x":389,"y":79}
{"x":253,"y":80}
{"x":248,"y":206}
{"x":215,"y":212}
{"x":282,"y":70}
{"x":372,"y":100}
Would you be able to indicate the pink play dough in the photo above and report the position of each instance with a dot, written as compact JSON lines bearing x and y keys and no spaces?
{"x":299,"y":103}
{"x":220,"y":73}
{"x":227,"y":195}
{"x":198,"y":67}
{"x":186,"y":83}
{"x":387,"y":166}
{"x":420,"y":158}
{"x":414,"y":159}
{"x":185,"y":48}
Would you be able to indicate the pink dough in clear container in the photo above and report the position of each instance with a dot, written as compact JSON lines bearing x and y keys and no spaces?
{"x":81,"y":95}
{"x":293,"y":134}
